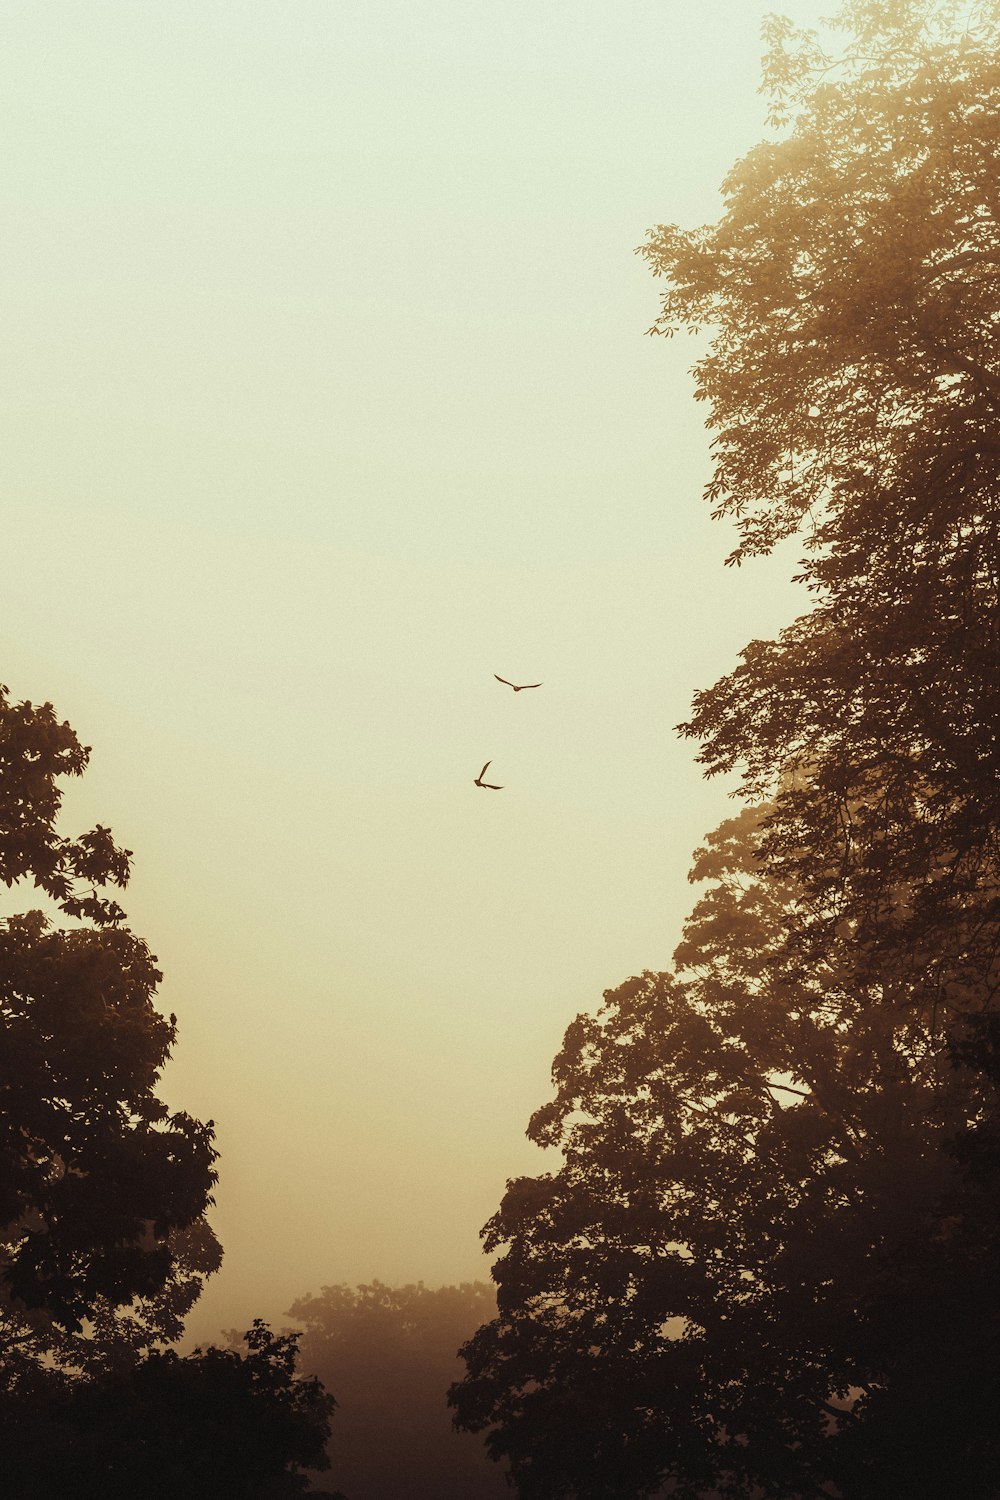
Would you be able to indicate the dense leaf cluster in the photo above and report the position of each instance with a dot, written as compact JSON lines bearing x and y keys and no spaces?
{"x":36,"y":749}
{"x":854,"y":283}
{"x":216,"y":1425}
{"x":94,"y":1171}
{"x":97,"y":1177}
{"x":753,"y":1233}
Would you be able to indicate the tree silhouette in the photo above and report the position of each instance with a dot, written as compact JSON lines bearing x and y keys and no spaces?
{"x":213,"y":1426}
{"x":104,"y":1243}
{"x":96,"y":1175}
{"x":757,"y":1175}
{"x":854,"y":385}
{"x":769,"y":1262}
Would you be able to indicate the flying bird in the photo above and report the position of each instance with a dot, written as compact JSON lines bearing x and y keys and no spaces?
{"x":514,"y":685}
{"x":478,"y":781}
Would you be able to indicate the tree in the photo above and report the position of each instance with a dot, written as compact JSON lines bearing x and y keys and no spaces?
{"x":98,"y":1180}
{"x":104,"y":1243}
{"x":853,"y":383}
{"x":713,"y":1276}
{"x":768,"y":1263}
{"x":392,"y":1352}
{"x":216,"y":1425}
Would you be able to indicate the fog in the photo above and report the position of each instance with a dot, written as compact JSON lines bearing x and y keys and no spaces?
{"x":327,"y":399}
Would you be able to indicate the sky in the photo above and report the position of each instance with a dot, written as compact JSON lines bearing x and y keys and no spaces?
{"x":325,"y":397}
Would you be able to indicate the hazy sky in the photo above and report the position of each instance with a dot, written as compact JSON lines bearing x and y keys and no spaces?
{"x":326,"y":397}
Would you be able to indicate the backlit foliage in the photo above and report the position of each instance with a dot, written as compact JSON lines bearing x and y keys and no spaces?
{"x":768,"y":1262}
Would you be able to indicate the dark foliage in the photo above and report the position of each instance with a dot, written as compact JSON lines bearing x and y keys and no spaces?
{"x":94,"y":1171}
{"x":35,"y":750}
{"x":761,"y":1195}
{"x":854,"y":385}
{"x":104,"y":1245}
{"x":768,"y":1265}
{"x":211,"y":1426}
{"x":96,"y":1174}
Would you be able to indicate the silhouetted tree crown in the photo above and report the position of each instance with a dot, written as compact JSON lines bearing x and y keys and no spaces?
{"x":756,"y":1223}
{"x":851,"y":285}
{"x":104,"y":1244}
{"x":768,"y":1262}
{"x":35,"y":750}
{"x":96,"y":1175}
{"x":853,"y":383}
{"x":215,"y":1425}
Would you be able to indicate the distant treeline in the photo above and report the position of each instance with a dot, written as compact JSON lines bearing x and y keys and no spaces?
{"x":389,"y":1355}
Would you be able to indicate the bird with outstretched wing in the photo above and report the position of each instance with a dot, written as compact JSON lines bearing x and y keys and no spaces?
{"x":518,"y":688}
{"x":478,"y":780}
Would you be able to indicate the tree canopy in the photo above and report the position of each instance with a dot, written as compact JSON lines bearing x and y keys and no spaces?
{"x":852,"y":289}
{"x":715,"y":1273}
{"x":768,"y":1262}
{"x":96,"y":1174}
{"x":104,"y":1243}
{"x":216,"y":1425}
